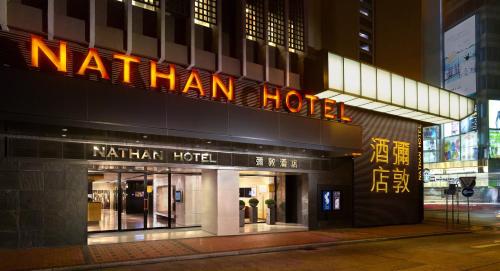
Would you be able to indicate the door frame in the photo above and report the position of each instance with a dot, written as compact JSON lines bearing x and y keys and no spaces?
{"x":120,"y":206}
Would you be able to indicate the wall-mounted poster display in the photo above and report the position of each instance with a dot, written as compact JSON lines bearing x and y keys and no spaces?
{"x":469,"y":146}
{"x":494,"y":114}
{"x":430,"y":157}
{"x":468,"y":124}
{"x":326,"y":200}
{"x":494,"y":144}
{"x":336,"y":200}
{"x":451,"y":148}
{"x":431,"y":132}
{"x":430,"y":144}
{"x":460,"y":57}
{"x":451,"y":129}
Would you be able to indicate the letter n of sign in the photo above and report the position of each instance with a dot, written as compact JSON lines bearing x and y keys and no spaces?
{"x":99,"y":151}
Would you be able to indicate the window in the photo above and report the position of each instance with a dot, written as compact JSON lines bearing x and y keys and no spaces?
{"x":254,"y":19}
{"x":152,"y":5}
{"x":177,"y":12}
{"x":296,"y":26}
{"x":205,"y":12}
{"x":40,"y":4}
{"x":431,"y":145}
{"x":115,"y":14}
{"x":364,"y":35}
{"x":364,"y":12}
{"x":469,"y":148}
{"x":149,"y":23}
{"x":366,"y":31}
{"x":178,"y":8}
{"x":365,"y":47}
{"x":78,"y":9}
{"x":276,"y":23}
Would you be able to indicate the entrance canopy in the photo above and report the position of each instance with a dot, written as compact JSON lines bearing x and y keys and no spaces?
{"x":361,"y":85}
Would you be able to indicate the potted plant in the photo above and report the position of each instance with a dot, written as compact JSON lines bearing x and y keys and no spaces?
{"x":270,"y":212}
{"x":253,"y":210}
{"x":242,"y":213}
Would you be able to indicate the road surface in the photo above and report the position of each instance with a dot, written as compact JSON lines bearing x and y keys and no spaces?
{"x":474,"y":251}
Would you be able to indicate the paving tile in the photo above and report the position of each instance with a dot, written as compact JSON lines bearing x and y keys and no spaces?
{"x":106,"y":253}
{"x":38,"y":258}
{"x":254,"y":241}
{"x":137,"y":251}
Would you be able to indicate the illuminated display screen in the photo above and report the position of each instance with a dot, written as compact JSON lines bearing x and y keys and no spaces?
{"x":430,"y":144}
{"x":336,"y":200}
{"x":460,"y":57}
{"x":451,"y":129}
{"x":468,"y":124}
{"x":431,"y":132}
{"x":451,"y":148}
{"x":494,"y":114}
{"x":494,"y":144}
{"x":430,"y":157}
{"x":326,"y":200}
{"x":469,"y":146}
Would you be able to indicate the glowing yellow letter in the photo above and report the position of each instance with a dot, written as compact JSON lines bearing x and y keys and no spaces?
{"x":197,"y":84}
{"x":126,"y":65}
{"x":227,"y":90}
{"x":312,"y":99}
{"x":288,"y":103}
{"x":99,"y":66}
{"x":58,"y":61}
{"x":267,"y":96}
{"x":170,"y":76}
{"x":327,"y":108}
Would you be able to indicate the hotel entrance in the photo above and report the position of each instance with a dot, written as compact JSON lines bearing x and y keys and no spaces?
{"x":132,"y":199}
{"x":272,"y":201}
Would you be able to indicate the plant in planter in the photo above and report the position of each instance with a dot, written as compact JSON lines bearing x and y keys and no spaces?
{"x":271,"y":211}
{"x":254,"y":210}
{"x":242,"y":213}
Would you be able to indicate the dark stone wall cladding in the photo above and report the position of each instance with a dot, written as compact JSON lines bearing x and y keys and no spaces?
{"x":42,"y":203}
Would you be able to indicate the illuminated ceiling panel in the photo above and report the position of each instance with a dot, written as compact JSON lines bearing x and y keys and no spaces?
{"x":344,"y":98}
{"x":401,"y":111}
{"x":365,"y":86}
{"x":326,"y":94}
{"x":386,"y":109}
{"x":372,"y":105}
{"x":357,"y":102}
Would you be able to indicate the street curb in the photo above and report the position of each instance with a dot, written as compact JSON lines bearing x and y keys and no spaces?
{"x":243,"y":252}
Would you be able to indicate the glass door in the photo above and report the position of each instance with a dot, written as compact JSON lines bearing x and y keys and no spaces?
{"x":133,"y":188}
{"x":158,"y":191}
{"x":102,"y":201}
{"x":140,"y":200}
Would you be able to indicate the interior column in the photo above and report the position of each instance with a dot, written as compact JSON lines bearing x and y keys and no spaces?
{"x":220,"y":201}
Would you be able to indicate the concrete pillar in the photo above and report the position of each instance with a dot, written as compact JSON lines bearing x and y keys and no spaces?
{"x":220,"y":202}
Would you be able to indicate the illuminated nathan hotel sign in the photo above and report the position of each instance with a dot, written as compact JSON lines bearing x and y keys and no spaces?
{"x":292,"y":100}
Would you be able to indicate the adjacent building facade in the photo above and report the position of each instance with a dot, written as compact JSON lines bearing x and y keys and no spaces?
{"x":469,"y":147}
{"x":127,"y":115}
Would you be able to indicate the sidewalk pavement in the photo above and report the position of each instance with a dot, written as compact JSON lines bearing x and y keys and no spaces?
{"x":108,"y":255}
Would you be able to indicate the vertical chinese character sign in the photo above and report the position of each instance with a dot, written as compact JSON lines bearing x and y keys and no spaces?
{"x":391,"y":160}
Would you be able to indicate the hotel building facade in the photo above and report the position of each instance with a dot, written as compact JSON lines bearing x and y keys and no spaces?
{"x":163,"y":114}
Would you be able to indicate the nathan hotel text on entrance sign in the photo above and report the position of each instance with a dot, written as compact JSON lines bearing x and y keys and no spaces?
{"x":293,"y":101}
{"x":104,"y":152}
{"x":125,"y":153}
